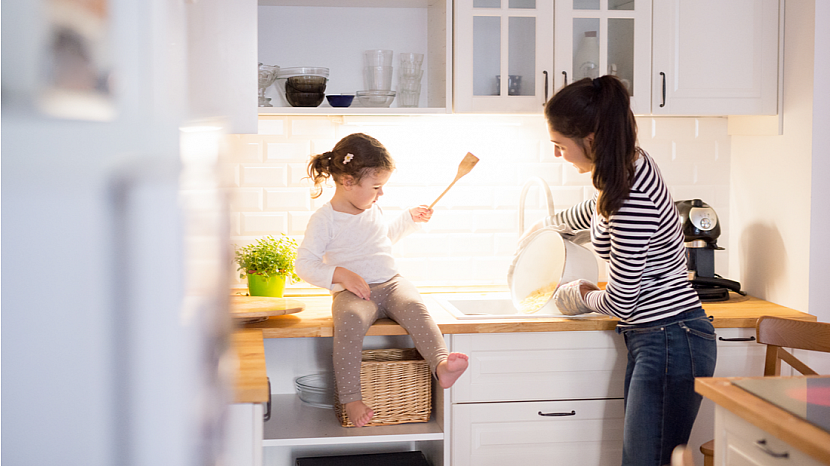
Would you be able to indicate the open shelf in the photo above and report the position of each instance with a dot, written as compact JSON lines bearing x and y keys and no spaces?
{"x":266,"y":111}
{"x":293,"y":423}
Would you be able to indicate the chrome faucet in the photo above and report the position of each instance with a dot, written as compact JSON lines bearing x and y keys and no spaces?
{"x":525,"y":189}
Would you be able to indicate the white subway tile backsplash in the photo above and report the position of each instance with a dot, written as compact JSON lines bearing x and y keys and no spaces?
{"x":261,"y":175}
{"x":322,"y":145}
{"x":298,"y":221}
{"x":448,"y":220}
{"x":425,"y":245}
{"x":571,"y":177}
{"x":287,"y":151}
{"x":494,"y":220}
{"x":227,"y":174}
{"x":272,"y":126}
{"x":471,"y":244}
{"x":472,"y":236}
{"x":315,"y":127}
{"x":287,"y":199}
{"x":492,"y":268}
{"x":298,"y":175}
{"x":262,"y":224}
{"x":245,"y":199}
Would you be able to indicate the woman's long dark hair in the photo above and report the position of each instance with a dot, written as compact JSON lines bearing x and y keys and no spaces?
{"x":356,"y":155}
{"x":600,"y":106}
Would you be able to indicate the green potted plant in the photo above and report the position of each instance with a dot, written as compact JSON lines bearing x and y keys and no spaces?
{"x":267,"y":263}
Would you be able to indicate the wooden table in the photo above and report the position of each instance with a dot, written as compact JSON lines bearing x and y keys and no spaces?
{"x":795,"y":431}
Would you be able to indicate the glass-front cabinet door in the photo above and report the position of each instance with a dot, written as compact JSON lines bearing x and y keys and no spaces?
{"x":599,"y":37}
{"x":503,"y":55}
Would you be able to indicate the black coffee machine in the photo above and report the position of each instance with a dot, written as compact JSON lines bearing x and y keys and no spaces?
{"x":701,"y":230}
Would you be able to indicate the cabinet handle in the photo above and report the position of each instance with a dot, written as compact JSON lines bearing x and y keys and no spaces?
{"x":664,"y":89}
{"x":572,"y":413}
{"x":566,"y":77}
{"x":546,"y":87}
{"x":762,"y":445}
{"x":267,"y":415}
{"x":737,"y":339}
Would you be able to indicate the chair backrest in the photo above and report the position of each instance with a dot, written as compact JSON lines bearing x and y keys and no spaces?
{"x":682,"y":456}
{"x":779,"y":333}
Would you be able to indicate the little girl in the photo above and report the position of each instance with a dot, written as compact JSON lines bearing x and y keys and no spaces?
{"x":348,"y":249}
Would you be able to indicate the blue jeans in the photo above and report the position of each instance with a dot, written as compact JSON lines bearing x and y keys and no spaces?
{"x":664,"y":357}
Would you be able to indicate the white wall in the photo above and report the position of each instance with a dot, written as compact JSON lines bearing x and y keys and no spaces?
{"x":472,"y":237}
{"x":771,"y":183}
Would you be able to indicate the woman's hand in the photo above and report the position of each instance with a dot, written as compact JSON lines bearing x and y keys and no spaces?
{"x":421,"y":214}
{"x":352,"y":282}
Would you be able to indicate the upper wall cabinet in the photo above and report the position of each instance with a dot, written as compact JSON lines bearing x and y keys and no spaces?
{"x":334,"y":34}
{"x":503,"y":55}
{"x":715,"y":57}
{"x":221,"y":55}
{"x":599,"y":37}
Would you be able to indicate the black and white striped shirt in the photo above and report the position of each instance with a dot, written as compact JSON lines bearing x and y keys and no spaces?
{"x":643,"y":243}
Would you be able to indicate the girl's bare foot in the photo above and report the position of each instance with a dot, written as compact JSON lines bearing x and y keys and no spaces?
{"x":358,"y":413}
{"x":450,"y":369}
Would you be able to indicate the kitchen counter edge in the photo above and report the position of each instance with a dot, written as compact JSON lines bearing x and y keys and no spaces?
{"x":315,"y":320}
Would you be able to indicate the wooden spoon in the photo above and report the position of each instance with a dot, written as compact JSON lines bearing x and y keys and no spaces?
{"x":464,"y":167}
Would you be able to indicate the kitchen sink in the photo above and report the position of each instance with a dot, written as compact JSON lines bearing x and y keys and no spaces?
{"x":485,"y":306}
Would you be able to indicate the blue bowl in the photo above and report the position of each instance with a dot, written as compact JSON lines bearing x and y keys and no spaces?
{"x":340,"y":100}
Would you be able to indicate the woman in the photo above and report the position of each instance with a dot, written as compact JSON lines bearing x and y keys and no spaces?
{"x":634,"y":226}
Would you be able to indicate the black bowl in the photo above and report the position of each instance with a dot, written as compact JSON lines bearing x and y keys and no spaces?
{"x":306,"y":84}
{"x":304,"y":99}
{"x":340,"y":100}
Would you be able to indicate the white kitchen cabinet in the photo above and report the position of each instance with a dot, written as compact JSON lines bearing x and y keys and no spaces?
{"x":503,"y":55}
{"x":221,"y":54}
{"x":297,"y":430}
{"x":595,"y":38}
{"x":526,"y":397}
{"x":739,"y":355}
{"x":243,"y":437}
{"x":739,"y":443}
{"x":578,"y":432}
{"x":712,"y":57}
{"x":334,"y":34}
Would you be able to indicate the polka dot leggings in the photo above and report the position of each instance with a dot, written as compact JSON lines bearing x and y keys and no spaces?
{"x":396,"y":299}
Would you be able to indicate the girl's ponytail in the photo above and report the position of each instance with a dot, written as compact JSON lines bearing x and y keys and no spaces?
{"x":318,"y":171}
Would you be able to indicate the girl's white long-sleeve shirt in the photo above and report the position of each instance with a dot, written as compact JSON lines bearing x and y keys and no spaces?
{"x":361,"y":243}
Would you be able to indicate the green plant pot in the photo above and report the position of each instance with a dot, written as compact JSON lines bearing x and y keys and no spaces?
{"x":272,"y":286}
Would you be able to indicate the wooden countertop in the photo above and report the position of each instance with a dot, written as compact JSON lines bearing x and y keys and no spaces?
{"x":801,"y":434}
{"x":315,"y":320}
{"x":251,"y":384}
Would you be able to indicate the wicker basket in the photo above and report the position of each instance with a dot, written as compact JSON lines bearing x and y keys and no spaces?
{"x":395,"y":383}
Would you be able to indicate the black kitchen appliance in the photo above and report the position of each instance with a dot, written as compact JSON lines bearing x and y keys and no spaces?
{"x":701,"y":230}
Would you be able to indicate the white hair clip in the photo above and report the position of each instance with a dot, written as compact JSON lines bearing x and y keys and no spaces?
{"x":348,"y":158}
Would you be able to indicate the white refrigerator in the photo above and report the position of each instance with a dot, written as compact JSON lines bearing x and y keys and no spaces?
{"x":115,"y":252}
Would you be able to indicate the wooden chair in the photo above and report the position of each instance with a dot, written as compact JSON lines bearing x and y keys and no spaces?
{"x":681,"y":456}
{"x":779,"y":333}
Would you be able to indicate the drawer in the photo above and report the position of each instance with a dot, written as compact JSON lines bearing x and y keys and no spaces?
{"x":585,"y":433}
{"x":540,"y":366}
{"x":740,"y":443}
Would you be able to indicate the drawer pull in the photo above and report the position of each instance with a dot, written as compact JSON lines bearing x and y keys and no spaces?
{"x":762,"y":445}
{"x":572,"y":413}
{"x":737,"y":339}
